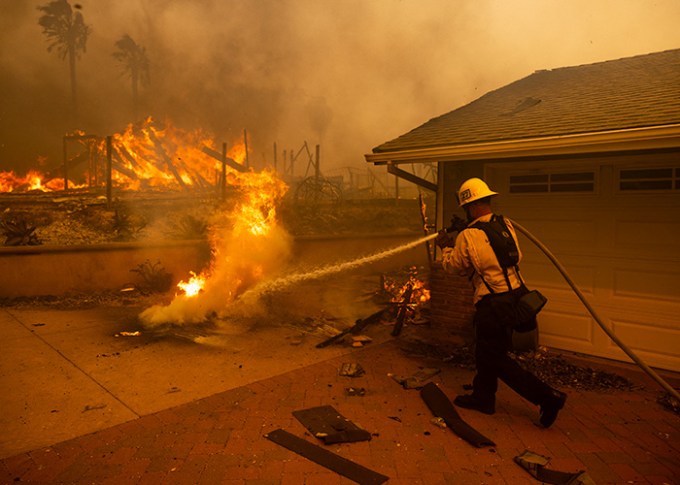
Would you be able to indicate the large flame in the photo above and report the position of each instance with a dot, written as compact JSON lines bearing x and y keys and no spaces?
{"x":149,"y":155}
{"x":144,"y":155}
{"x":247,"y":245}
{"x":32,"y":180}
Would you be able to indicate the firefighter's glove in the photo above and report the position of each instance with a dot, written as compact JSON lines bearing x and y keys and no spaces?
{"x":443,"y":240}
{"x":457,"y":224}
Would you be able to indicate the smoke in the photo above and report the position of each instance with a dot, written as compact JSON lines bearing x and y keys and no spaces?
{"x":247,"y":245}
{"x":345,"y":74}
{"x":240,"y":261}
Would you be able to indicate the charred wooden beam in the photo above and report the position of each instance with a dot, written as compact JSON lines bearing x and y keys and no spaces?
{"x":119,"y":166}
{"x":403,"y":310}
{"x":229,"y":161}
{"x":127,"y":155}
{"x":399,"y":173}
{"x":359,"y":325}
{"x":160,"y":151}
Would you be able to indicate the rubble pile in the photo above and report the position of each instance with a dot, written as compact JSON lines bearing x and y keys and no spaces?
{"x":548,"y":366}
{"x":557,"y":370}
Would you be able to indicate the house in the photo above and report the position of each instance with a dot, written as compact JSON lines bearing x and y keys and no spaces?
{"x":587,"y":159}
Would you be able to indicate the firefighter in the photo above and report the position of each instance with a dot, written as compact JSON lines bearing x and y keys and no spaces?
{"x":472,"y":255}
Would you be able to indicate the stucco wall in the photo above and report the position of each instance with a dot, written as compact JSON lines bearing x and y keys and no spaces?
{"x":43,"y":270}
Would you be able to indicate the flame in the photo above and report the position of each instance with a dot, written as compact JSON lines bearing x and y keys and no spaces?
{"x":247,"y":246}
{"x":144,"y":155}
{"x":150,"y":155}
{"x":420,"y":293}
{"x":194,"y":286}
{"x":33,"y":180}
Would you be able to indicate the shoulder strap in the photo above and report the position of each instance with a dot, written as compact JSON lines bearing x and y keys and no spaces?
{"x":503,"y":245}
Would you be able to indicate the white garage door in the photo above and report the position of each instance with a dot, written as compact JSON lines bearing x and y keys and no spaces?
{"x":614,"y":224}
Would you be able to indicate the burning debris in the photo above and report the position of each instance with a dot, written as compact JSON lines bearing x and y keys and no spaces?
{"x":145,"y":155}
{"x":247,"y":245}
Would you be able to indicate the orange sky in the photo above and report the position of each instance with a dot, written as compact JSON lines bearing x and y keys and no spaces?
{"x":347,"y":74}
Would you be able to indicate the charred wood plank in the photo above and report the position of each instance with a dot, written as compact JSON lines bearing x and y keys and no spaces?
{"x":442,"y":407}
{"x":119,"y":166}
{"x":358,"y":326}
{"x":160,"y":151}
{"x":331,"y":427}
{"x":127,"y":156}
{"x":352,"y":470}
{"x":229,"y":161}
{"x":403,"y":310}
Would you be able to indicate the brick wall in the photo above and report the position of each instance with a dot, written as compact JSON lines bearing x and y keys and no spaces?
{"x":451,"y":302}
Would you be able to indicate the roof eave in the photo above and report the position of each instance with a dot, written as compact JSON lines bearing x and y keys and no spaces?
{"x":646,"y":138}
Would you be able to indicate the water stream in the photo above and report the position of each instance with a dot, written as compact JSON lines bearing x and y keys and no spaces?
{"x":281,"y":283}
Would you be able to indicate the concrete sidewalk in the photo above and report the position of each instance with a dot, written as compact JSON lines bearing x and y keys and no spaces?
{"x":198,"y":414}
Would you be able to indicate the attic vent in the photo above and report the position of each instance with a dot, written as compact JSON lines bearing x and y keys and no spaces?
{"x":649,"y":179}
{"x":523,"y":105}
{"x":552,"y":182}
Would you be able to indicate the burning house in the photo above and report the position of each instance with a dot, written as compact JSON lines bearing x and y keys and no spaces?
{"x":588,"y":159}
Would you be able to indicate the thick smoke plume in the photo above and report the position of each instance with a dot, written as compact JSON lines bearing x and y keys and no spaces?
{"x":345,"y":74}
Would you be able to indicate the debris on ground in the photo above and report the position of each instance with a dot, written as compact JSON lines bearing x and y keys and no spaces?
{"x":331,"y":427}
{"x":439,"y":422}
{"x":536,"y":464}
{"x":669,"y":402}
{"x":136,"y":333}
{"x":361,"y":340}
{"x":358,"y":326}
{"x":355,"y":391}
{"x":351,"y":370}
{"x":352,"y":470}
{"x":454,"y":354}
{"x":549,"y":366}
{"x":417,"y":380}
{"x":557,"y":370}
{"x":443,"y":408}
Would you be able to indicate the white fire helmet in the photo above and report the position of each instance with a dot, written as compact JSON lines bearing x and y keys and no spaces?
{"x":473,"y":189}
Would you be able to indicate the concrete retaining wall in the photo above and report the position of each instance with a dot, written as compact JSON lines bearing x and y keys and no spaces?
{"x":60,"y":270}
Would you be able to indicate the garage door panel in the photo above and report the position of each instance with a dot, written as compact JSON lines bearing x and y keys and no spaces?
{"x":545,"y":275}
{"x":619,"y":246}
{"x":641,"y":336}
{"x":647,"y":237}
{"x":652,"y":284}
{"x":564,"y":327}
{"x":561,"y":233}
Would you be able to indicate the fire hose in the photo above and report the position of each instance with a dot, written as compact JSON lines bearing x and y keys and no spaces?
{"x":595,"y":316}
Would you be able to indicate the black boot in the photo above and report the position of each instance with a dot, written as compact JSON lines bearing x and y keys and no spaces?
{"x":551,"y":407}
{"x":470,"y":401}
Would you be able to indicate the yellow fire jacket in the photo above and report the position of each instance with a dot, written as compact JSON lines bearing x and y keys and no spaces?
{"x":473,"y":256}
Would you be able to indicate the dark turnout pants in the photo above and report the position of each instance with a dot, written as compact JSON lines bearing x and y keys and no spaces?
{"x":493,"y":363}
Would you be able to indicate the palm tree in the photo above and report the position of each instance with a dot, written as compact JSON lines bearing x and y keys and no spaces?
{"x":135,"y":64}
{"x":67,"y":33}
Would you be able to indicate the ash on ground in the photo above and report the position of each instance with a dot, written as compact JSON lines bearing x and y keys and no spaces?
{"x":549,"y":366}
{"x":546,"y":365}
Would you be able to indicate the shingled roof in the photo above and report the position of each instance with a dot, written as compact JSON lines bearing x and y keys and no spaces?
{"x":634,"y":92}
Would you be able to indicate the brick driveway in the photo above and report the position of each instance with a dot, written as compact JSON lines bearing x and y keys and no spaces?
{"x":617,"y":436}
